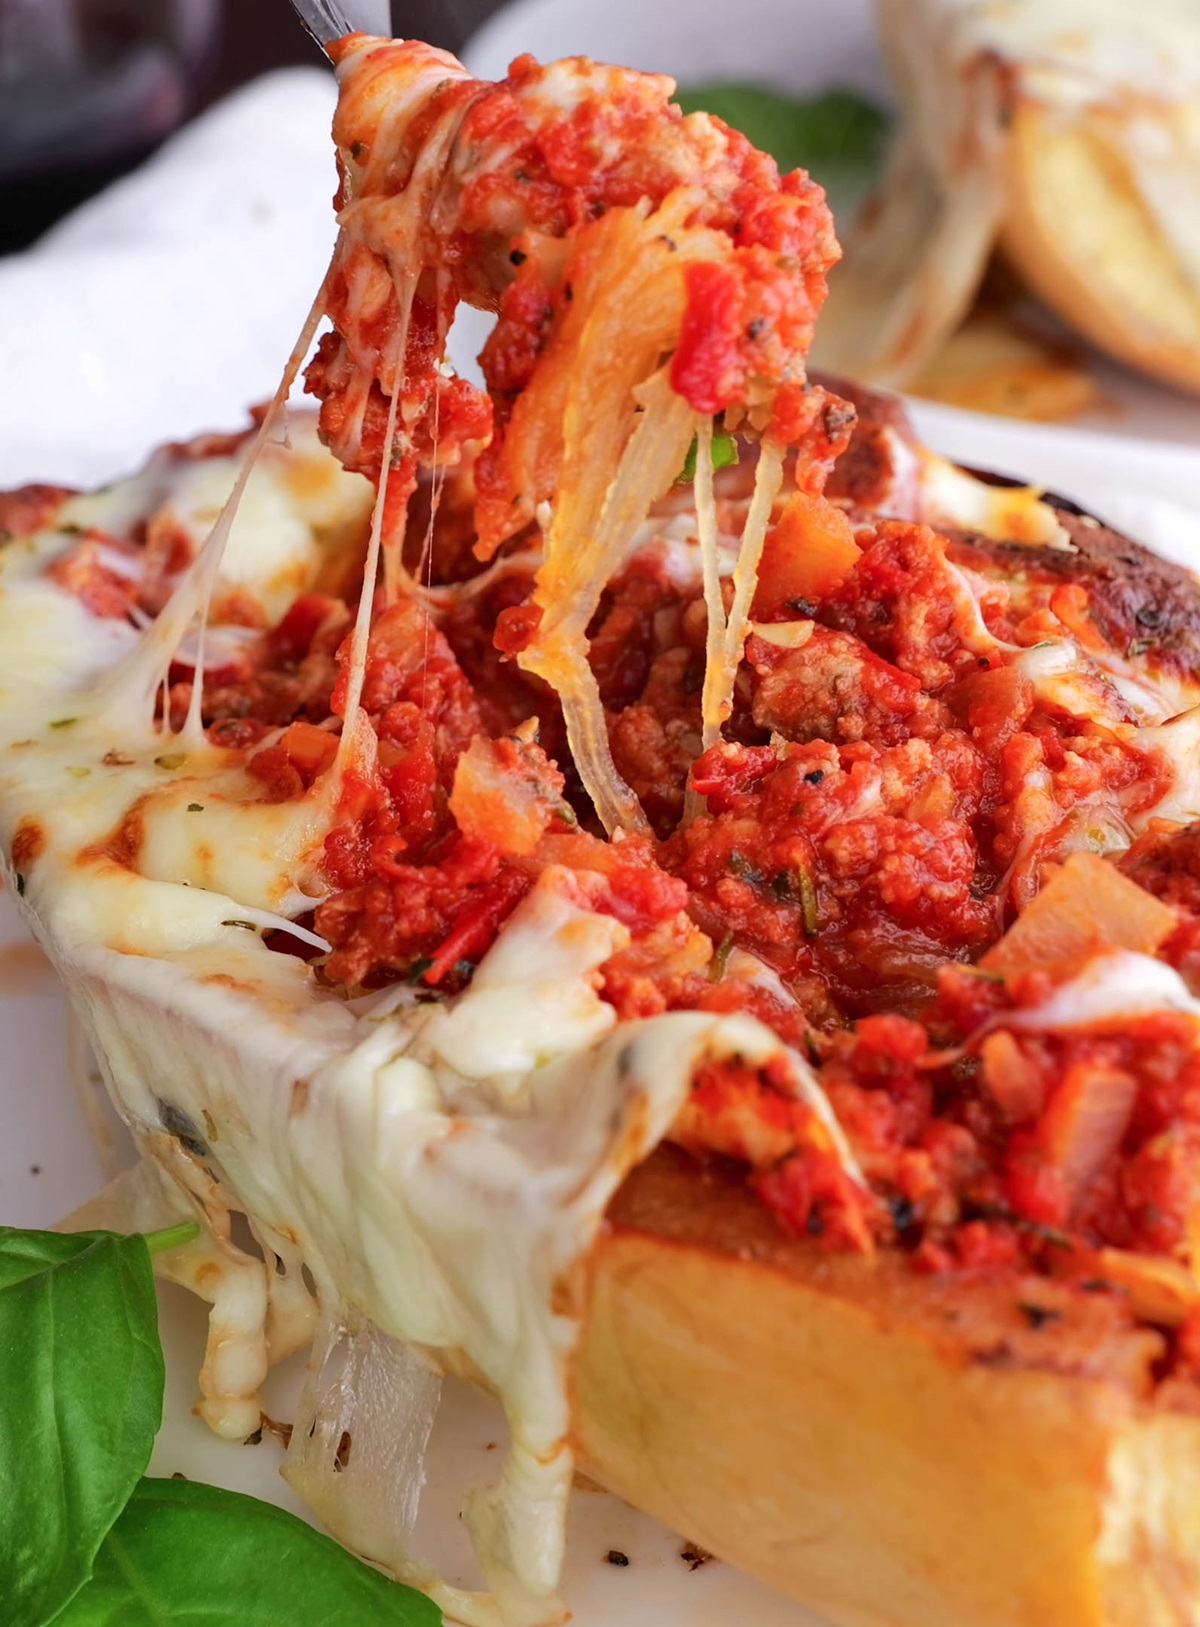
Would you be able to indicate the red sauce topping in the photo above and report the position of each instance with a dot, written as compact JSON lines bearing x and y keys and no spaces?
{"x":898,"y":783}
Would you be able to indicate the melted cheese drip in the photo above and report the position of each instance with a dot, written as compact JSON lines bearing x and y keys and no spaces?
{"x":726,"y":635}
{"x":1111,"y":989}
{"x":711,"y":708}
{"x":355,"y":739}
{"x":385,"y":222}
{"x":193,"y":813}
{"x":207,"y":825}
{"x":579,"y":564}
{"x":768,"y":477}
{"x":381,"y":1141}
{"x":396,"y":224}
{"x":134,"y":690}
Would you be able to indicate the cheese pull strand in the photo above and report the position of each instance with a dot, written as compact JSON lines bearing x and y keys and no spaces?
{"x":360,"y":638}
{"x":706,"y":527}
{"x":720,"y":674}
{"x":579,"y":569}
{"x":134,"y":686}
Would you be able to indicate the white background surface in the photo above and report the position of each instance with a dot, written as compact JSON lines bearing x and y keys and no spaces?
{"x":166,"y":307}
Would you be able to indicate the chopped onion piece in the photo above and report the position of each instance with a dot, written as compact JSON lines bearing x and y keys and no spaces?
{"x":359,"y":1437}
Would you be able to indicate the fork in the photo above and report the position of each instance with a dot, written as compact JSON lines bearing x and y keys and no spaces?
{"x":327,"y":20}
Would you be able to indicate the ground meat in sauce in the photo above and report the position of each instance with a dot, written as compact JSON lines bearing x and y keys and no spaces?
{"x":888,"y":784}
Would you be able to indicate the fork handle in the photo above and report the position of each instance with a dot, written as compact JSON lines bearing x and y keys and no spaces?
{"x":326,"y":20}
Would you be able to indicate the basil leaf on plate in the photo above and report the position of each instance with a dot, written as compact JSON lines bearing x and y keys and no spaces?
{"x":185,"y":1552}
{"x":80,"y":1403}
{"x":838,"y":136}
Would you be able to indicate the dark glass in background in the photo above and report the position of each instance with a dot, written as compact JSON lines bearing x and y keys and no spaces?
{"x":88,"y":88}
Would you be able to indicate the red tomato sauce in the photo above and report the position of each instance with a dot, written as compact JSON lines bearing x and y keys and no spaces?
{"x":894,"y":786}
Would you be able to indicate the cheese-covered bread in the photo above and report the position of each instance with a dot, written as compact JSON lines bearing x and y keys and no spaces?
{"x":644,"y":888}
{"x":1065,"y":132}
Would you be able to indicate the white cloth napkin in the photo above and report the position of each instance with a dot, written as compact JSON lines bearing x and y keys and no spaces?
{"x":169,"y":303}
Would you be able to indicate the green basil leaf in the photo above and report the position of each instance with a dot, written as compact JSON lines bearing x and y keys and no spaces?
{"x":838,"y":136}
{"x":80,"y":1403}
{"x":184,"y":1552}
{"x":724,"y":454}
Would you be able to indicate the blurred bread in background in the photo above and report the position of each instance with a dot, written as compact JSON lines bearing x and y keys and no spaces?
{"x":997,"y":362}
{"x":1065,"y":133}
{"x":1103,"y":222}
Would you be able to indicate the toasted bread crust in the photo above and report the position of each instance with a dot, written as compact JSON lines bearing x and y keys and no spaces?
{"x":1080,"y":236}
{"x":1142,"y":603}
{"x":839,"y":1429}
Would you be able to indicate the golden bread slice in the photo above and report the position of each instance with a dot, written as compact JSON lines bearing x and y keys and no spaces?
{"x":1081,"y":234}
{"x":991,"y":364}
{"x":889,"y":1451}
{"x":1065,"y":131}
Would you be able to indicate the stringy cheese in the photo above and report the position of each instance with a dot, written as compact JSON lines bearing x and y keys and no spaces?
{"x":579,"y":564}
{"x":130,"y":694}
{"x":360,"y":640}
{"x":1111,"y":989}
{"x":341,"y":1152}
{"x":602,"y":393}
{"x":457,"y":1244}
{"x":711,"y":699}
{"x":718,"y":687}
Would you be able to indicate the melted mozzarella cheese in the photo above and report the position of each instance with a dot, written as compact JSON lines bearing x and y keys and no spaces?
{"x":949,"y":496}
{"x":548,"y":950}
{"x":271,"y":549}
{"x":90,"y":788}
{"x":1179,"y":741}
{"x":719,"y":681}
{"x":439,"y":1169}
{"x":1110,"y":990}
{"x":298,"y":507}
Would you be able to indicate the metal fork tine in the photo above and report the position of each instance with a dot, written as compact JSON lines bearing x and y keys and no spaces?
{"x":328,"y":20}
